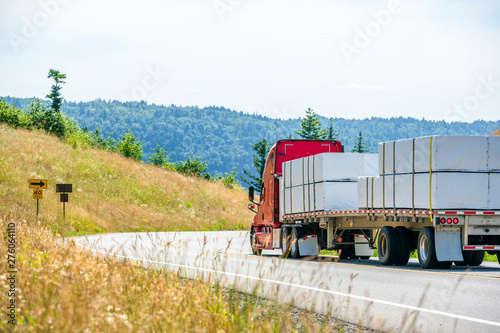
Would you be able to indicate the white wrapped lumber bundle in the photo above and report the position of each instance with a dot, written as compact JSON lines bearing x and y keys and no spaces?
{"x":325,"y":181}
{"x":494,"y":153}
{"x":296,"y":199}
{"x":494,"y":192}
{"x":448,"y":190}
{"x":341,"y":167}
{"x":373,"y":194}
{"x":329,"y":167}
{"x":331,"y":196}
{"x":434,"y":153}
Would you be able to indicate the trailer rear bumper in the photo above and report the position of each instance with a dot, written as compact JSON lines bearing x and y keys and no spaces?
{"x":481,"y":248}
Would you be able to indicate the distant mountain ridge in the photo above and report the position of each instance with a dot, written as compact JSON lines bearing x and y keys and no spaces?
{"x":222,"y":137}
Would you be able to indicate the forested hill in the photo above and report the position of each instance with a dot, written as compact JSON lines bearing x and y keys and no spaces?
{"x":223,"y":137}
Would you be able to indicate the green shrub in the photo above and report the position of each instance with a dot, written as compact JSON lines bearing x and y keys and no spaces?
{"x":129,"y":146}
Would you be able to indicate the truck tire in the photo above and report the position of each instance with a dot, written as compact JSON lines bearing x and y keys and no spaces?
{"x":285,"y":242}
{"x":388,"y":246}
{"x":426,"y":248}
{"x":498,"y":257}
{"x":294,"y":243}
{"x":467,"y":258}
{"x":477,"y":258}
{"x":253,"y":243}
{"x":404,"y":246}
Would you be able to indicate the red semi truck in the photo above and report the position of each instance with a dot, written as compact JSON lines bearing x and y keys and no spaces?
{"x":440,"y":237}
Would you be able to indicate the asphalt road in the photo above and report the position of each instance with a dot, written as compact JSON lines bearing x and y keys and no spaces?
{"x":359,"y":291}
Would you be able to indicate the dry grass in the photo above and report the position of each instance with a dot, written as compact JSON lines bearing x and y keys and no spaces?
{"x":497,"y":132}
{"x":110,"y":192}
{"x":62,"y":288}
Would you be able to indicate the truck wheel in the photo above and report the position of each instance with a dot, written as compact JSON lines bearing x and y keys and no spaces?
{"x":404,"y":246}
{"x":477,"y":258}
{"x":426,"y":248}
{"x":467,"y":258}
{"x":388,"y":246}
{"x":498,"y":257}
{"x":294,"y":243}
{"x":253,"y":242}
{"x":285,"y":241}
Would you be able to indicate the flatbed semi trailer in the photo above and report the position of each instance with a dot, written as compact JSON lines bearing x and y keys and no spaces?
{"x":441,"y":237}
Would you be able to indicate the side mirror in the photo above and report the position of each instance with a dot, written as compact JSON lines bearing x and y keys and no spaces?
{"x":251,"y":193}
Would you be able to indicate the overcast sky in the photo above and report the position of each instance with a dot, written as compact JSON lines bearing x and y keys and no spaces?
{"x":351,"y":59}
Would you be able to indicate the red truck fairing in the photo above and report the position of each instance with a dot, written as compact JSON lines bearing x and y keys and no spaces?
{"x":282,"y":151}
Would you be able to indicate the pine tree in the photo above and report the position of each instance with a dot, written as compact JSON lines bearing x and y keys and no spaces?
{"x":259,"y":161}
{"x":331,"y":133}
{"x":359,"y":146}
{"x":55,"y":122}
{"x":311,"y":127}
{"x":55,"y":94}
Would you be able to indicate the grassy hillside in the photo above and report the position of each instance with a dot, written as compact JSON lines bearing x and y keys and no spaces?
{"x":62,"y":288}
{"x":110,"y":192}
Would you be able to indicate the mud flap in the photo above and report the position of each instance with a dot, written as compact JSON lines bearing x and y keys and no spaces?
{"x":308,"y":246}
{"x":448,"y":246}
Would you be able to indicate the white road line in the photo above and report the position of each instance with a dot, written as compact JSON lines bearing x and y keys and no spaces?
{"x":363,"y":298}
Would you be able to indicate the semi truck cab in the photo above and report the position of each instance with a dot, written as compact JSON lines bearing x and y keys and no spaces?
{"x":268,"y":214}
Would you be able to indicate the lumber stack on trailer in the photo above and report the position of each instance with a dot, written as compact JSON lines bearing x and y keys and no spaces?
{"x":324,"y":182}
{"x":435,"y":172}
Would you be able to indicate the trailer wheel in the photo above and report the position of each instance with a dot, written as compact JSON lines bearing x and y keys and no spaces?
{"x":254,"y":243}
{"x":388,"y":246}
{"x":467,"y":258}
{"x":285,"y":241}
{"x":426,"y":248}
{"x":404,"y":246}
{"x":477,"y":258}
{"x":294,"y":243}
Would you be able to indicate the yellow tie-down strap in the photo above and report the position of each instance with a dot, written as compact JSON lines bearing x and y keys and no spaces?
{"x":430,"y":175}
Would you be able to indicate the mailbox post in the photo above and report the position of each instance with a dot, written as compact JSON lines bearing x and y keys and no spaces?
{"x":64,"y":189}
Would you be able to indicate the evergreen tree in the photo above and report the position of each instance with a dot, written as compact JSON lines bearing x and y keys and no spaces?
{"x":259,"y":161}
{"x":359,"y":145}
{"x":129,"y":146}
{"x":159,"y":157}
{"x":331,"y":133}
{"x":311,"y":127}
{"x":55,"y":94}
{"x":55,"y":122}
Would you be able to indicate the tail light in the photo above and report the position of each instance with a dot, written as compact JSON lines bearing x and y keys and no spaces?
{"x":448,"y":220}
